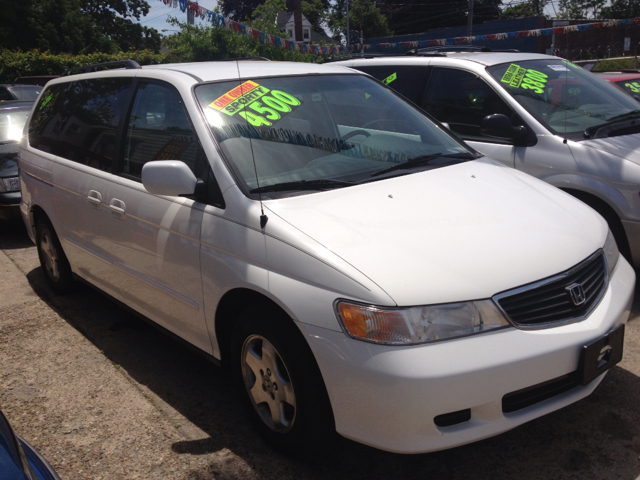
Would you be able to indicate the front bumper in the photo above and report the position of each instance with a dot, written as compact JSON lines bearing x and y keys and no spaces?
{"x":388,"y":397}
{"x":9,"y":206}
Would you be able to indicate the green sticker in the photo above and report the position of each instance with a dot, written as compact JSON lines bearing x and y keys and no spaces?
{"x":46,"y":100}
{"x":524,"y":78}
{"x":571,"y":64}
{"x":390,"y":78}
{"x":366,"y":96}
{"x":633,"y":86}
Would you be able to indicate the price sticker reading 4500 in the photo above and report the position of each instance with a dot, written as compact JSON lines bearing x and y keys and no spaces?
{"x":268,"y":105}
{"x":519,"y":77}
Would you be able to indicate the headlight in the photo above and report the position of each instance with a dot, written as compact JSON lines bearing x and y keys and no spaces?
{"x":611,"y":252}
{"x":11,"y":184}
{"x":413,"y":325}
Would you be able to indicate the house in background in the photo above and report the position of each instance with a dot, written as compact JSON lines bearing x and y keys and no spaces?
{"x":286,"y":23}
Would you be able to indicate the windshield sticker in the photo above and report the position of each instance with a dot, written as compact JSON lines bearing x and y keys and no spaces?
{"x":633,"y":86}
{"x":390,"y":78}
{"x":267,"y":110}
{"x":366,"y":96}
{"x":558,"y":68}
{"x":528,"y":79}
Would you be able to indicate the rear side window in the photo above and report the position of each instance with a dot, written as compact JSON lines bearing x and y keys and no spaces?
{"x":407,"y":81}
{"x":158,"y":129}
{"x":78,"y":121}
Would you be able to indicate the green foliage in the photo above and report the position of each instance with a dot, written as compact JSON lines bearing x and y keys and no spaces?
{"x":621,"y":9}
{"x":364,"y":16}
{"x":199,"y":43}
{"x":578,"y":9}
{"x":616,"y":64}
{"x":17,"y":64}
{"x":530,"y":8}
{"x":76,"y":26}
{"x":264,"y":17}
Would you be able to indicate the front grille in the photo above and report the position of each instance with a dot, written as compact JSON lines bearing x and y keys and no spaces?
{"x":550,"y":302}
{"x":514,"y":401}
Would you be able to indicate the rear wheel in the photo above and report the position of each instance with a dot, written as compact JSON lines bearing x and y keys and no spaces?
{"x":53,"y":261}
{"x":280,"y":383}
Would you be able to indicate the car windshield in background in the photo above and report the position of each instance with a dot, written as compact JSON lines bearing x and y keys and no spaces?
{"x":319,"y":132}
{"x":25,"y":92}
{"x":565,"y":98}
{"x":12,"y":122}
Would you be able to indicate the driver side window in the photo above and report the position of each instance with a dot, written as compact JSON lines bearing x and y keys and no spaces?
{"x":462,"y":100}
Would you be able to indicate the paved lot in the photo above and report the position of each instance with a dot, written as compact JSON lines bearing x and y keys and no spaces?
{"x":104,"y":396}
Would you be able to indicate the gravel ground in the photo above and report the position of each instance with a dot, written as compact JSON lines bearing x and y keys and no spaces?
{"x":105,"y":396}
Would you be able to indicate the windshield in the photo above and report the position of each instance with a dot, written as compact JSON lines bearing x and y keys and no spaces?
{"x":564,"y":98}
{"x":319,"y":132}
{"x":25,"y":92}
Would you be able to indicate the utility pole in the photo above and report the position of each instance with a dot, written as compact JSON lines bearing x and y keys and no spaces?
{"x":470,"y":19}
{"x":348,"y":31}
{"x":297,"y":18}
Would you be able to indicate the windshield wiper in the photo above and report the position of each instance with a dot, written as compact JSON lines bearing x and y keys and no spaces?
{"x":320,"y":184}
{"x":591,"y":131}
{"x":423,"y":160}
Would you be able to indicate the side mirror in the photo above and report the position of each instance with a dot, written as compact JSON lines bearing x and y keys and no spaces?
{"x":168,"y":177}
{"x":499,"y":126}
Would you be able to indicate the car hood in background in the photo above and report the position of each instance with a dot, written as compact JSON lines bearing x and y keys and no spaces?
{"x":625,"y":146}
{"x":8,"y":165}
{"x":457,"y":233}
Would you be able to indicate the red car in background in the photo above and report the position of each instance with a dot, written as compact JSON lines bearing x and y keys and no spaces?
{"x":627,"y":80}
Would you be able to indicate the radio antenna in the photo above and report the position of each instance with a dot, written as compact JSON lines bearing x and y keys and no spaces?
{"x":263,"y":217}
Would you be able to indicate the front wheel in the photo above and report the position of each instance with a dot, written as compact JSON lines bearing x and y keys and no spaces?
{"x":280,"y":383}
{"x":53,"y":261}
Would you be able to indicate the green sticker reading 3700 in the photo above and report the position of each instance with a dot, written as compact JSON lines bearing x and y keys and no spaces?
{"x":519,"y":77}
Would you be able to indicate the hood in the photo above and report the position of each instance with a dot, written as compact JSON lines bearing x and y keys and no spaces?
{"x":624,"y":146}
{"x":457,"y":233}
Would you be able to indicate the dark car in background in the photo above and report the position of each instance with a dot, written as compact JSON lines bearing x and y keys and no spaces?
{"x":19,"y":92}
{"x":13,"y":116}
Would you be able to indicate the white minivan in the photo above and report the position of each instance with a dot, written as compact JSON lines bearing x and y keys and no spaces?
{"x":356,"y":267}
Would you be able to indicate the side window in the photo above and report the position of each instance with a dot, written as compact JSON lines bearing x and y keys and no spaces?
{"x":44,"y":127}
{"x":407,"y":81}
{"x":462,"y":99}
{"x":86,"y":118}
{"x":158,"y":129}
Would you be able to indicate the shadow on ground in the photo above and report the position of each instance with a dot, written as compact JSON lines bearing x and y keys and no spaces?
{"x":598,"y":437}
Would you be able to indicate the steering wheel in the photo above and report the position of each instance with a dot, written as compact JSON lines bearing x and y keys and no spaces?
{"x":353,"y":133}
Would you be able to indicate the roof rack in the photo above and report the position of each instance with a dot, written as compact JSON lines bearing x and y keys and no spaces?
{"x":128,"y":64}
{"x":350,"y":56}
{"x":444,"y":49}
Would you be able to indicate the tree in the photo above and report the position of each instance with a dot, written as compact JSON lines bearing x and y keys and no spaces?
{"x":199,"y":43}
{"x":364,"y":16}
{"x":621,"y":9}
{"x":239,"y":10}
{"x":577,"y":9}
{"x":418,"y":16}
{"x":76,"y":26}
{"x":525,"y":9}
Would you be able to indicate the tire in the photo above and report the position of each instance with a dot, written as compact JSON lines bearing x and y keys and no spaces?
{"x":280,"y":383}
{"x":53,"y":261}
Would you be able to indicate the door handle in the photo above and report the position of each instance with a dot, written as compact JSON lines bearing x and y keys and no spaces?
{"x":95,"y":198}
{"x":117,"y":207}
